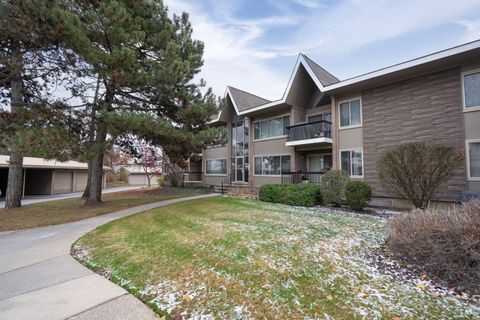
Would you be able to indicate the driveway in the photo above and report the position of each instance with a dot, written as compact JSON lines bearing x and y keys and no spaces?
{"x":38,"y":199}
{"x":40,"y":280}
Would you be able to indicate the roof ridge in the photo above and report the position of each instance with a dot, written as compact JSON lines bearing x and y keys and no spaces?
{"x":254,"y":95}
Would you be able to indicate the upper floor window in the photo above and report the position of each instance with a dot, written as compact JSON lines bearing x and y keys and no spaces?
{"x":350,"y":113}
{"x":471,"y":90}
{"x":327,"y":116}
{"x":269,"y":128}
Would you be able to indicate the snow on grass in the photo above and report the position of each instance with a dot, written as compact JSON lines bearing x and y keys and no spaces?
{"x":240,"y":259}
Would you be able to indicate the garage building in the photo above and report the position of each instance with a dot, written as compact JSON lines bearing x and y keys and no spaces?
{"x":46,"y":177}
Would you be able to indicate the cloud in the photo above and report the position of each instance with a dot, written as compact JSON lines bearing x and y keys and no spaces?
{"x":472,"y":30}
{"x":351,"y":24}
{"x":257,"y":54}
{"x":307,"y":3}
{"x":234,"y":54}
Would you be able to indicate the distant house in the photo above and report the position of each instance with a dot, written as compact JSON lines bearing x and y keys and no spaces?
{"x":45,"y":177}
{"x":136,"y":175}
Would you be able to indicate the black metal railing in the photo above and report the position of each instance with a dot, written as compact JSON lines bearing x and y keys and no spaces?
{"x":302,"y":177}
{"x":310,"y":130}
{"x":191,"y":176}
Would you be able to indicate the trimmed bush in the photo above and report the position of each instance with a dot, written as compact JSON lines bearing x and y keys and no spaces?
{"x":357,"y":193}
{"x":415,"y":171}
{"x":302,"y":194}
{"x":442,"y":243}
{"x":333,"y":186}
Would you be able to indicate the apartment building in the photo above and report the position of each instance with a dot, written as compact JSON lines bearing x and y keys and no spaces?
{"x":324,"y":123}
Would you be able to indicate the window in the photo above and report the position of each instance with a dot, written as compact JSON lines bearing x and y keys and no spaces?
{"x":216,"y":167}
{"x":350,"y":113}
{"x":352,"y":162}
{"x":272,"y":165}
{"x":473,"y":160}
{"x":327,"y":116}
{"x":323,"y":116}
{"x":471,"y":90}
{"x":270,"y":128}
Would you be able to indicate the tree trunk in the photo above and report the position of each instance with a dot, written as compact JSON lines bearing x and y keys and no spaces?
{"x":86,"y":192}
{"x":95,"y":189}
{"x":15,"y":181}
{"x":15,"y":167}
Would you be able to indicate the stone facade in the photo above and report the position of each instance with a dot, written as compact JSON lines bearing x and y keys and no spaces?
{"x":427,"y":108}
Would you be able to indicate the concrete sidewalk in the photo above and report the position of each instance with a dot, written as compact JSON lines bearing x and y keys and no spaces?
{"x":40,"y":280}
{"x":38,"y":199}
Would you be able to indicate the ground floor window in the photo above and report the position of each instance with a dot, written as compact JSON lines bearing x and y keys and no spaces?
{"x":216,"y":167}
{"x":272,"y":165}
{"x":473,"y":150}
{"x":352,"y":162}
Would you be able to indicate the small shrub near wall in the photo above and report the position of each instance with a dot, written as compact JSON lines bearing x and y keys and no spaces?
{"x":333,"y":186}
{"x":358,"y":193}
{"x":443,"y":243}
{"x":302,"y":194}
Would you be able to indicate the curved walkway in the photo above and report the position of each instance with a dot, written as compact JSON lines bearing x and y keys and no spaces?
{"x":40,"y":280}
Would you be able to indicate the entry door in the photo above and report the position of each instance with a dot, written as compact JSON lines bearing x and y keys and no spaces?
{"x":319,"y":162}
{"x":239,"y":169}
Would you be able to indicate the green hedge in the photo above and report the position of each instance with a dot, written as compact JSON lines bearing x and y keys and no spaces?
{"x":358,"y":193}
{"x":302,"y":194}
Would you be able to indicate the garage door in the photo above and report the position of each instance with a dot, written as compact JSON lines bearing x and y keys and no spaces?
{"x":81,"y":182}
{"x":136,"y":180}
{"x":63,"y":182}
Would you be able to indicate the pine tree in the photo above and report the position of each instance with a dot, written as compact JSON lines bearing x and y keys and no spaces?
{"x":146,"y":62}
{"x":29,"y":61}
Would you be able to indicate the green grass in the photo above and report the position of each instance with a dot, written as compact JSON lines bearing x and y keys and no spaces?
{"x":226,"y":258}
{"x":63,"y":211}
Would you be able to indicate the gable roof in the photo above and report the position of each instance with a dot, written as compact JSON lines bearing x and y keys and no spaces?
{"x":328,"y":83}
{"x":325,"y":77}
{"x":243,"y":100}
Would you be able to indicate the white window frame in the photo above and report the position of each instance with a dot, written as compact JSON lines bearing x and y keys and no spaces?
{"x":283,"y":136}
{"x":351,"y":163}
{"x":214,"y":174}
{"x":271,"y":155}
{"x":339,"y":116}
{"x":464,"y":105}
{"x":467,"y":156}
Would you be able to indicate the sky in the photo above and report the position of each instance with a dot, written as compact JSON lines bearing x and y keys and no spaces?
{"x":253,"y":44}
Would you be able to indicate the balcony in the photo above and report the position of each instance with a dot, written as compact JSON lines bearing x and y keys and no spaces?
{"x":315,"y":132}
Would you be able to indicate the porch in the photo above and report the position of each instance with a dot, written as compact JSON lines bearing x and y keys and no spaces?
{"x":312,"y":133}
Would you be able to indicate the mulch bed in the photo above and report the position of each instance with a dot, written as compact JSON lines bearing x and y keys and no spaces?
{"x":400,"y":270}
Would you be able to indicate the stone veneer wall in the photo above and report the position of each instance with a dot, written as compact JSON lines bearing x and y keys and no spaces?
{"x":425,"y":108}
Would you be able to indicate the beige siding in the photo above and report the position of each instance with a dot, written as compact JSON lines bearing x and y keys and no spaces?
{"x":62,"y":181}
{"x":350,"y":138}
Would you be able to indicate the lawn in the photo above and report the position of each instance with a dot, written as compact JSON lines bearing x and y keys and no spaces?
{"x":62,"y":211}
{"x":225,"y":258}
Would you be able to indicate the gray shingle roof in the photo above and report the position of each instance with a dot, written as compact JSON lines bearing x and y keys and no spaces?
{"x":244,"y":100}
{"x":325,"y":77}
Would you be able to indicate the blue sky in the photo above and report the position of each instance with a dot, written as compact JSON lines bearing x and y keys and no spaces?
{"x":253,"y":44}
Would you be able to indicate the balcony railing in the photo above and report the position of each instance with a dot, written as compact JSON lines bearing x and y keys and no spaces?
{"x":302,"y":177}
{"x":310,"y":130}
